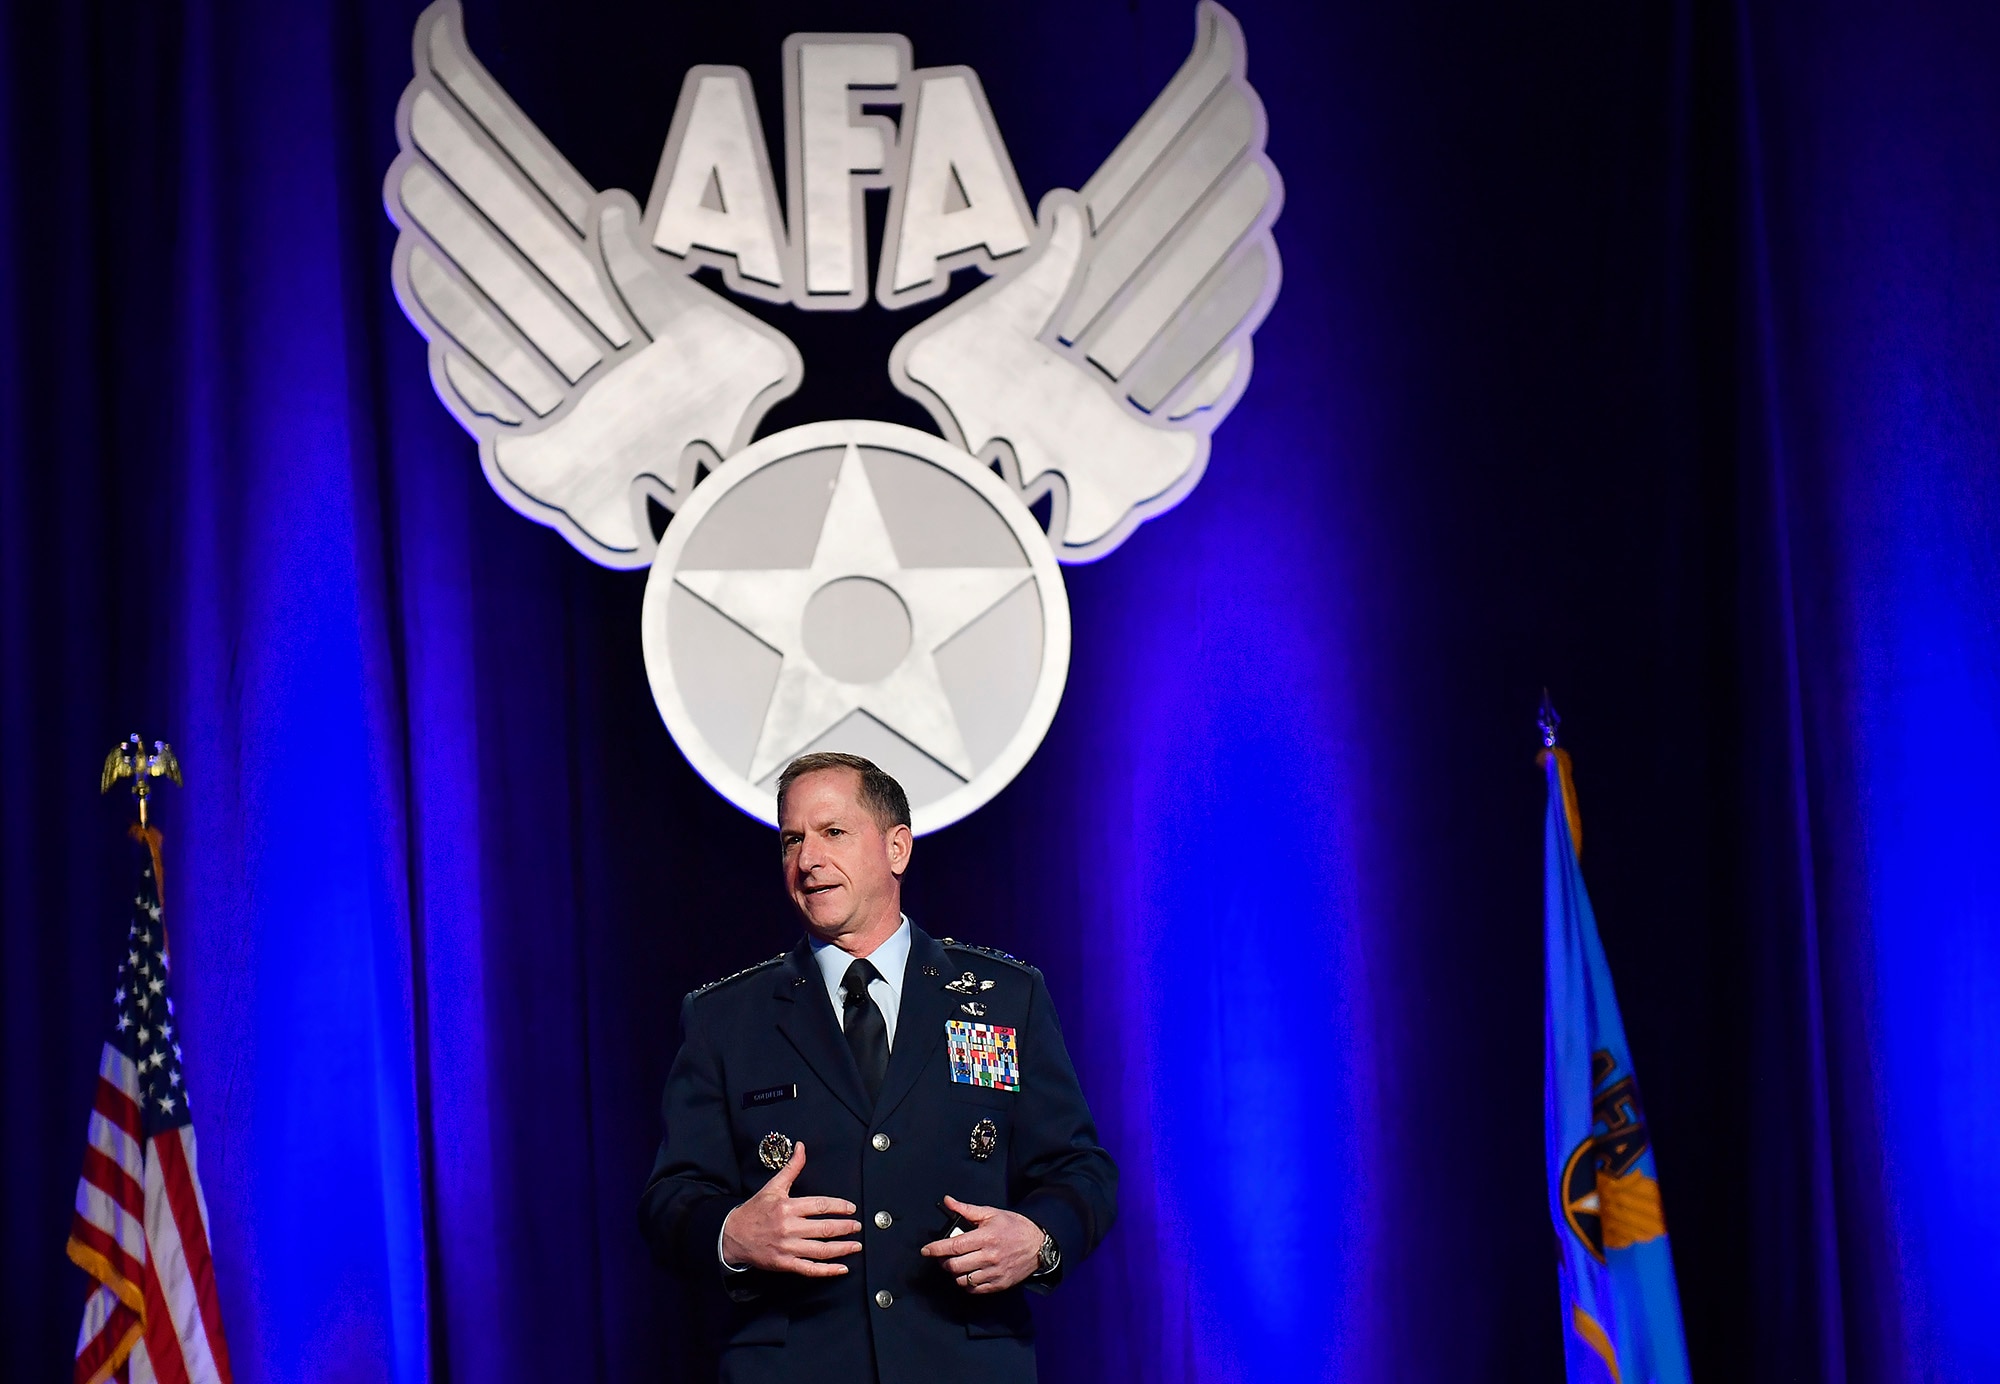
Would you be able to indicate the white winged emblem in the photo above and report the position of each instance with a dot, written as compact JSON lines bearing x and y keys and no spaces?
{"x":843,"y":584}
{"x":595,"y":373}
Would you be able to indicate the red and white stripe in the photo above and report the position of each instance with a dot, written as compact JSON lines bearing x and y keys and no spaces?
{"x":141,"y":1229}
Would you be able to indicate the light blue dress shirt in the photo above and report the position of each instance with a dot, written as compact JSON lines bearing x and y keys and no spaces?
{"x":886,"y":989}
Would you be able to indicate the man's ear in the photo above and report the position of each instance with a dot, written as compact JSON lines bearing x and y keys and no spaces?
{"x":900,"y":843}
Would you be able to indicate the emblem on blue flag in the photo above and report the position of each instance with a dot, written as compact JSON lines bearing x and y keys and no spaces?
{"x":1621,"y":1309}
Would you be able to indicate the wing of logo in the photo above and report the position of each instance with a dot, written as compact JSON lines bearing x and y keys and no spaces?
{"x":592,"y":375}
{"x":1110,"y":352}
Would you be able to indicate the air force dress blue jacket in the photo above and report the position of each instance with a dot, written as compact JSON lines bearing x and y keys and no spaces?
{"x":980,"y":1101}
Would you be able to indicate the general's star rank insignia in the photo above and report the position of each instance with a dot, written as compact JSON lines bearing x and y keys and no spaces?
{"x":983,"y":1055}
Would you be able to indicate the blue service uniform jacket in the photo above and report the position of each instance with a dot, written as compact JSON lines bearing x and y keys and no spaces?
{"x":750,"y":1042}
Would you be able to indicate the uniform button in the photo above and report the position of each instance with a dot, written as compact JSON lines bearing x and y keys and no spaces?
{"x":885,"y":1298}
{"x":883,"y":1220}
{"x":881,"y":1143}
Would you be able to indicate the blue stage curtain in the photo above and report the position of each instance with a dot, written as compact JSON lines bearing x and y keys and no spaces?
{"x":1645,"y":352}
{"x":1875,"y":254}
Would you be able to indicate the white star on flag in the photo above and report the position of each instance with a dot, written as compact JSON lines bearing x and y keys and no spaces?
{"x":807,"y":701}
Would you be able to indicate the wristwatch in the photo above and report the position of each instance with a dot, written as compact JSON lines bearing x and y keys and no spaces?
{"x":1051,"y":1256}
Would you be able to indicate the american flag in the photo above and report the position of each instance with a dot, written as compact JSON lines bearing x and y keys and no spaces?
{"x":141,"y":1226}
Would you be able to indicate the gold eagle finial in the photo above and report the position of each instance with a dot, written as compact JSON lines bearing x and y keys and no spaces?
{"x":130,"y":759}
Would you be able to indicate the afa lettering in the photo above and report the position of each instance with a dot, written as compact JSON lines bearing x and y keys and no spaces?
{"x":954,"y":199}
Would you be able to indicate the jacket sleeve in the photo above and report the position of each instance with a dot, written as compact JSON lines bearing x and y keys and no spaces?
{"x":1061,"y":1179}
{"x":693,"y":1187}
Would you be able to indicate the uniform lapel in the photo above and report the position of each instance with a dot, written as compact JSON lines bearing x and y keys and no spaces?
{"x":806,"y":1020}
{"x":920,"y":1021}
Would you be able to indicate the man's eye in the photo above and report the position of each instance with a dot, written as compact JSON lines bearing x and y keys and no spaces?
{"x":835,"y":831}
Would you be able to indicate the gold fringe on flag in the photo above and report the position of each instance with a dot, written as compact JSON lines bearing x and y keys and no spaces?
{"x":1570,"y":811}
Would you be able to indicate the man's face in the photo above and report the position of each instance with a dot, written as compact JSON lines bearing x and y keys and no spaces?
{"x":842,"y":869}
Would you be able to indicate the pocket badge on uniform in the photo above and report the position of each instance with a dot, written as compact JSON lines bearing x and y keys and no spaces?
{"x":774,"y":1150}
{"x":985,"y":1138}
{"x":983,"y":1055}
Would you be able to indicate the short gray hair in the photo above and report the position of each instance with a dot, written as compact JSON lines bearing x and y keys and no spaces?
{"x":884,"y":798}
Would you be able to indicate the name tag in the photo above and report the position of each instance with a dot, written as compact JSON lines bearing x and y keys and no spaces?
{"x":983,"y":1055}
{"x":753,"y":1099}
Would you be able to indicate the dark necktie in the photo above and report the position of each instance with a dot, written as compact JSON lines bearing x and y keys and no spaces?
{"x":867,"y":1032}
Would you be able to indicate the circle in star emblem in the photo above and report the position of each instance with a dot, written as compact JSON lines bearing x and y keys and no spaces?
{"x":863,"y":587}
{"x":774,"y":1150}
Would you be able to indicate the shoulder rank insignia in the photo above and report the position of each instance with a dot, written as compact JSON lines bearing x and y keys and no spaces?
{"x":747,"y":970}
{"x":993,"y":952}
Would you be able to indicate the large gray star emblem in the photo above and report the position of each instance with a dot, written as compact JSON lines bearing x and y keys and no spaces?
{"x":855,"y":576}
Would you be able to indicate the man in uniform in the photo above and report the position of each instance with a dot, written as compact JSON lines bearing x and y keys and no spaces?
{"x":876,"y":1140}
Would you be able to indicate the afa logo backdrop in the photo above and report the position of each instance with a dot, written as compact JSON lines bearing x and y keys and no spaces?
{"x":603,"y":381}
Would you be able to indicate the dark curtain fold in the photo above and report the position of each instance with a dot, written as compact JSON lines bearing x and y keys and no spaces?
{"x":1646,"y":353}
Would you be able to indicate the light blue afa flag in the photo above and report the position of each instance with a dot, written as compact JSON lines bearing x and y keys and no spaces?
{"x":1621,"y":1312}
